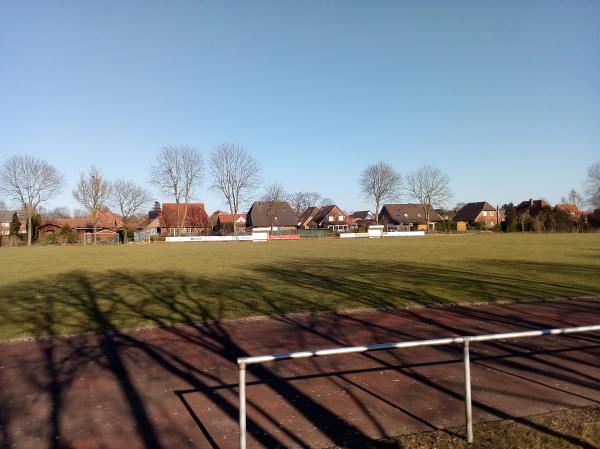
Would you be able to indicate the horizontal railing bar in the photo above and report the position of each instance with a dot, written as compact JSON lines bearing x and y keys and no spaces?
{"x":412,"y":344}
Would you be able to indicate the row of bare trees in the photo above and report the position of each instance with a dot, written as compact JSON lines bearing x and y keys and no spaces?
{"x":179,"y":170}
{"x":429,"y":186}
{"x":96,"y":194}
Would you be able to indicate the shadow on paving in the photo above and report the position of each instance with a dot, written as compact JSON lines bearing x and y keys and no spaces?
{"x":111,"y":301}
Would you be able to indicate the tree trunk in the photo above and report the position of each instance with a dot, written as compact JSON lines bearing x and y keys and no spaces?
{"x":95,"y":230}
{"x":29,"y":226}
{"x":184,"y":214}
{"x":376,"y":212}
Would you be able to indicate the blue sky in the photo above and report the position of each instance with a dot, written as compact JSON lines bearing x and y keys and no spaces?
{"x":503,"y":96}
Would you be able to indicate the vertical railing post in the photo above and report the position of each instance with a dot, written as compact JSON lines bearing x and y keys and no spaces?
{"x":468,"y":407}
{"x":242,"y":368}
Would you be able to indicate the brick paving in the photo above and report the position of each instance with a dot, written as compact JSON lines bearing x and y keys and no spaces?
{"x":176,"y":387}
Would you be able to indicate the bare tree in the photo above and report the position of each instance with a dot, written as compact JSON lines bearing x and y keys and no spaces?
{"x":79,"y":213}
{"x":235,"y":174}
{"x":300,"y":201}
{"x":57,"y":212}
{"x":379,"y":182}
{"x":575,"y":198}
{"x":178,"y":172}
{"x":31,"y":182}
{"x":129,"y":199}
{"x":2,"y":204}
{"x":592,"y":185}
{"x":430,"y":187}
{"x":274,"y":194}
{"x":93,"y":192}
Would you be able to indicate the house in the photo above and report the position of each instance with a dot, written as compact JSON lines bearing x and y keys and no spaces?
{"x":6,"y":217}
{"x":407,"y":217}
{"x":192,"y":219}
{"x":361,"y":219}
{"x":571,"y":209}
{"x":306,"y":218}
{"x":106,"y":227}
{"x":533,"y":207}
{"x":479,"y":213}
{"x":327,"y":217}
{"x":266,"y":215}
{"x":225,"y":222}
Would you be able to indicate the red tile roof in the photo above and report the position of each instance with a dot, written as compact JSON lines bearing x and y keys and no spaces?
{"x":194,"y":218}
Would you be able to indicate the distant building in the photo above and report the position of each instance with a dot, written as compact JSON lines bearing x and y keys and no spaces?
{"x":277,"y":215}
{"x":571,"y":209}
{"x":361,"y":219}
{"x":106,"y":227}
{"x":326,"y":217}
{"x":407,"y":217}
{"x":532,"y":207}
{"x":192,"y":219}
{"x":482,"y":213}
{"x":6,"y":217}
{"x":225,"y":222}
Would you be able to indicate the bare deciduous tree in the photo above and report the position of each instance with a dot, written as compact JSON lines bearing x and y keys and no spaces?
{"x":31,"y":182}
{"x":575,"y":198}
{"x":57,"y":212}
{"x":128,"y":199}
{"x":592,"y":185}
{"x":300,"y":201}
{"x":379,"y":182}
{"x":93,"y":192}
{"x":274,"y":194}
{"x":178,"y":172}
{"x":235,"y":174}
{"x":430,"y":187}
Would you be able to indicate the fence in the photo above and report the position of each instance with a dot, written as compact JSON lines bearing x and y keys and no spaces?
{"x":243,"y":362}
{"x":306,"y":233}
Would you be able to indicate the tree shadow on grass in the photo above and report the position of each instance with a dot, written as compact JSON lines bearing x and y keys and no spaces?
{"x":112,"y":301}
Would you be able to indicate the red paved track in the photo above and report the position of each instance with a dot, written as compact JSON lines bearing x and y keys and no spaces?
{"x":177,"y":387}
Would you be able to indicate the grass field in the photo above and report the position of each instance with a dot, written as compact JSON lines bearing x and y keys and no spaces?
{"x":54,"y":290}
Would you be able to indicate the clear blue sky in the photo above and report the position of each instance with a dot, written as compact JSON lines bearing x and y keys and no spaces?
{"x":502,"y":95}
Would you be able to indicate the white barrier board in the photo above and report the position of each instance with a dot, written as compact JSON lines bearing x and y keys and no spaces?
{"x":404,"y":234}
{"x":255,"y":237}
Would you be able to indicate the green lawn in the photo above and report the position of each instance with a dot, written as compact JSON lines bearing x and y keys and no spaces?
{"x":50,"y":290}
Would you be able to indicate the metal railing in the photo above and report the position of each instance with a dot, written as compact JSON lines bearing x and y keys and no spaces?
{"x":243,"y":362}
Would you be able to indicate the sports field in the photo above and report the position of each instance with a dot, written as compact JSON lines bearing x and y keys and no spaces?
{"x":54,"y":290}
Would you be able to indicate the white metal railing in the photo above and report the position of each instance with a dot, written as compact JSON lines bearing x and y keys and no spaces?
{"x":243,"y":362}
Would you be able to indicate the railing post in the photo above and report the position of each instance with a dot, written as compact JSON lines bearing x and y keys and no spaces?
{"x":468,"y":407}
{"x":242,"y":368}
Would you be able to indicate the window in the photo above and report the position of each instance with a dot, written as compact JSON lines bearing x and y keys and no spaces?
{"x":406,"y":215}
{"x":485,"y":213}
{"x":331,"y":218}
{"x":418,"y":215}
{"x":492,"y":213}
{"x":340,"y":218}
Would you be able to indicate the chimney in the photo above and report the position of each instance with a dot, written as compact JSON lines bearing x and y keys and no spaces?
{"x":530,"y":202}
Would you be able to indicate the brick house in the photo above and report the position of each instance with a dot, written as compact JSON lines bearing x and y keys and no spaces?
{"x":407,"y":217}
{"x":327,"y":217}
{"x":481,"y":213}
{"x":193,"y":221}
{"x":532,"y":207}
{"x":225,"y":222}
{"x":106,"y":228}
{"x":361,"y":219}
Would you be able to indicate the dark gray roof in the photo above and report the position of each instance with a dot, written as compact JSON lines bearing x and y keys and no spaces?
{"x":470,"y":211}
{"x":362,"y":214}
{"x":262,"y":213}
{"x":406,"y":214}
